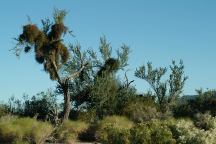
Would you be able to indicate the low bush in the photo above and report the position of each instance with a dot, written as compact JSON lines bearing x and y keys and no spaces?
{"x":185,"y":132}
{"x":201,"y":103}
{"x":3,"y":110}
{"x":69,"y":131}
{"x":88,"y":116}
{"x":205,"y":121}
{"x":141,"y":110}
{"x":114,"y":129}
{"x":26,"y":130}
{"x":152,"y":132}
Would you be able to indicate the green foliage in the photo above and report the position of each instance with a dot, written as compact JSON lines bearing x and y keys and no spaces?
{"x":69,"y":131}
{"x":17,"y":130}
{"x":114,"y":129}
{"x":104,"y":96}
{"x":140,"y":109}
{"x":42,"y":106}
{"x":105,"y":48}
{"x":176,"y":80}
{"x":123,"y":56}
{"x":185,"y":132}
{"x":99,"y":67}
{"x":87,"y":116}
{"x":117,"y":136}
{"x":140,"y":134}
{"x":152,"y":132}
{"x":166,"y":92}
{"x":49,"y":50}
{"x":205,"y":121}
{"x":14,"y":106}
{"x":205,"y":101}
{"x":125,"y":96}
{"x":3,"y":110}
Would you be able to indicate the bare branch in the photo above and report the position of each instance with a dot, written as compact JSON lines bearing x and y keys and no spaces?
{"x":56,"y":72}
{"x":76,"y":74}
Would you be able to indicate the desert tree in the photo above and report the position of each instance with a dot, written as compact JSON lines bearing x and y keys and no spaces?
{"x":96,"y":85}
{"x":105,"y":91}
{"x":50,"y":51}
{"x":166,"y":92}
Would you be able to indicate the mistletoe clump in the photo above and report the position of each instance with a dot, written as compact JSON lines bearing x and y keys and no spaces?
{"x":48,"y":47}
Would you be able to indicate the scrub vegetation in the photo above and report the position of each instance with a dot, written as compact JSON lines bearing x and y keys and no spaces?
{"x":100,"y":103}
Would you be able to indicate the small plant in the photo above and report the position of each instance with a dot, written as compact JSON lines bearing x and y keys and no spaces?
{"x":114,"y":129}
{"x":3,"y":110}
{"x":17,"y":130}
{"x":152,"y":132}
{"x":185,"y":132}
{"x":140,"y":110}
{"x":205,"y":121}
{"x":69,"y":131}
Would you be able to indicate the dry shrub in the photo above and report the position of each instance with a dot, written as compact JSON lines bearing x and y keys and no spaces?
{"x":141,"y":110}
{"x":69,"y":131}
{"x":14,"y":130}
{"x":152,"y":132}
{"x":114,"y":128}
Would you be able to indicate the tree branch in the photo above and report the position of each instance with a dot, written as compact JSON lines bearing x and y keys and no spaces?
{"x":76,"y":74}
{"x":56,"y":72}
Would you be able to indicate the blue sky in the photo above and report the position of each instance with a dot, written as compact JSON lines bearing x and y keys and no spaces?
{"x":156,"y":31}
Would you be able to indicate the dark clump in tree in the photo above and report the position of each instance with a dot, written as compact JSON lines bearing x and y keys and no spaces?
{"x":50,"y":51}
{"x":111,"y":65}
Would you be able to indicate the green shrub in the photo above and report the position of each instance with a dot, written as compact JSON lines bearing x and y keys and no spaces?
{"x":18,"y":130}
{"x":205,"y":101}
{"x":41,"y":132}
{"x":205,"y":121}
{"x":3,"y":110}
{"x":114,"y":129}
{"x":117,"y":136}
{"x":89,"y":116}
{"x":152,"y":132}
{"x":69,"y":131}
{"x":140,"y":110}
{"x":185,"y":132}
{"x":140,"y":134}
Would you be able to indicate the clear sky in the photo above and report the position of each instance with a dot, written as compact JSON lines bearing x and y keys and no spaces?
{"x":156,"y":31}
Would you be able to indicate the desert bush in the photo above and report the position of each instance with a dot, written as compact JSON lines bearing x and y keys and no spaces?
{"x":205,"y":121}
{"x":69,"y":131}
{"x":3,"y":110}
{"x":17,"y":130}
{"x":104,"y":96}
{"x":200,"y":103}
{"x":114,"y":129}
{"x":140,"y":110}
{"x":87,"y":116}
{"x":117,"y":136}
{"x":152,"y":132}
{"x":185,"y":132}
{"x":44,"y":105}
{"x":140,"y":134}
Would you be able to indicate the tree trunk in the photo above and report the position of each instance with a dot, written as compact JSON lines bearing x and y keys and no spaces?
{"x":67,"y":103}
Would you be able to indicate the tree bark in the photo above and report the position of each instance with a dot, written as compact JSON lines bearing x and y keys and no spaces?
{"x":67,"y":103}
